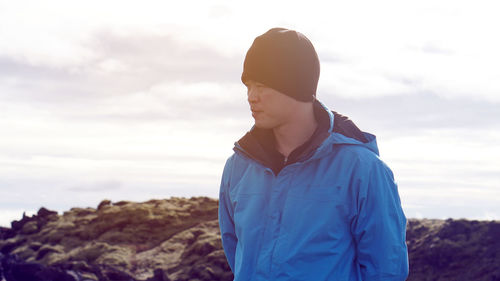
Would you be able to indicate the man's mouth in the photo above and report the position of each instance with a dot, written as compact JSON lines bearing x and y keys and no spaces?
{"x":255,"y":112}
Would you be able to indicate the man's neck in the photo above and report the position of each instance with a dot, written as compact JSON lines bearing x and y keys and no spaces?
{"x":291,"y":135}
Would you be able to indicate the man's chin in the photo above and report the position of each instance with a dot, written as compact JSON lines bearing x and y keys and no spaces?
{"x":261,"y":125}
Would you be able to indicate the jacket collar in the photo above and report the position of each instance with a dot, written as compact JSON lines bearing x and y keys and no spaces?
{"x":333,"y":128}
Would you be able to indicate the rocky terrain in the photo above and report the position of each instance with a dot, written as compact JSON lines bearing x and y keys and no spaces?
{"x":454,"y":250}
{"x":179,"y":239}
{"x":175,"y":239}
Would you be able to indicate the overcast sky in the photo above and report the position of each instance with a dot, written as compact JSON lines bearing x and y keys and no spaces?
{"x":133,"y":100}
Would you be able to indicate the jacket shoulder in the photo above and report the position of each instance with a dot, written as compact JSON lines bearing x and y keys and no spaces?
{"x":356,"y":153}
{"x":364,"y":161}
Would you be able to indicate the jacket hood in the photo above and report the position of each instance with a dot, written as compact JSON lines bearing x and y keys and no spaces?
{"x":343,"y":131}
{"x":340,"y":139}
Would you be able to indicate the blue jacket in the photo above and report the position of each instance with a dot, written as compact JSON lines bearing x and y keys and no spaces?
{"x":335,"y":215}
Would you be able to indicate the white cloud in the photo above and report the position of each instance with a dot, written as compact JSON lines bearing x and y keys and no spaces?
{"x":426,"y":42}
{"x":446,"y":173}
{"x":358,"y":81}
{"x":141,"y":96}
{"x":444,"y":47}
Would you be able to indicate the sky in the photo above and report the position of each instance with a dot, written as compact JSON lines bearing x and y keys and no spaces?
{"x":134,"y":100}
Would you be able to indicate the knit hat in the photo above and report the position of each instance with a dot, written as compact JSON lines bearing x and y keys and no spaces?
{"x":284,"y":60}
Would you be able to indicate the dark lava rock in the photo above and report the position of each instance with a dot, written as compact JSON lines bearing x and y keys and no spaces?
{"x":454,"y":250}
{"x":13,"y":269}
{"x":157,"y":240}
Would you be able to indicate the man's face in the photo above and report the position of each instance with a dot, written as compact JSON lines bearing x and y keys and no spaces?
{"x":270,"y":108}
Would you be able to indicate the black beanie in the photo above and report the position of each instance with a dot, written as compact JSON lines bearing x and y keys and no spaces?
{"x":284,"y":60}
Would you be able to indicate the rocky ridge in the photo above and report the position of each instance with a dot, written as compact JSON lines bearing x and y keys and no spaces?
{"x":175,"y":239}
{"x":179,"y":239}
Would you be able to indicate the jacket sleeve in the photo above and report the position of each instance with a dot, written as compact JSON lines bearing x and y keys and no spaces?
{"x":226,"y":222}
{"x":379,"y":227}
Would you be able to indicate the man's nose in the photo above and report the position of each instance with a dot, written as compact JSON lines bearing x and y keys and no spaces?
{"x":253,"y":95}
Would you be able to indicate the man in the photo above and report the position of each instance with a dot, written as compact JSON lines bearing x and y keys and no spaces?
{"x":305,"y":195}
